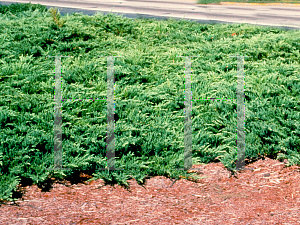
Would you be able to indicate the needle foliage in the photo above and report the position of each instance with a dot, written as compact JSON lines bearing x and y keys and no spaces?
{"x":149,"y":94}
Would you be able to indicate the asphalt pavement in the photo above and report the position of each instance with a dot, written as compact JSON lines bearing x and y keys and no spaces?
{"x":274,"y":15}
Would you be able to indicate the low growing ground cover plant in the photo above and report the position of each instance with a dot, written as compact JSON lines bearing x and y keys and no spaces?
{"x":149,"y":94}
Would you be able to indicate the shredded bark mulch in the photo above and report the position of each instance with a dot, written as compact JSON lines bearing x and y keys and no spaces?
{"x":268,"y":194}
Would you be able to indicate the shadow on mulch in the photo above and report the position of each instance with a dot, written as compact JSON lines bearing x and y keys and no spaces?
{"x":46,"y":186}
{"x":78,"y":177}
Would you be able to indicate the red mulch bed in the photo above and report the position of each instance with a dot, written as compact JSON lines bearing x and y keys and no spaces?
{"x":269,"y":194}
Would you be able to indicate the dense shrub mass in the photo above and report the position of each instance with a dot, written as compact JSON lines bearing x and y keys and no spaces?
{"x":149,"y":94}
{"x":21,"y":8}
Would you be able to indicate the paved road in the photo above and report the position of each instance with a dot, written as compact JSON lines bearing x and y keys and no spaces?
{"x":280,"y":15}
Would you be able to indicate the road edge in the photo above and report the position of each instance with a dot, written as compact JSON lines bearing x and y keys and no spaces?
{"x":254,"y":4}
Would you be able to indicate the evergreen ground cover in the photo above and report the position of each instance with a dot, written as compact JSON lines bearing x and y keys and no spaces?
{"x":149,"y":94}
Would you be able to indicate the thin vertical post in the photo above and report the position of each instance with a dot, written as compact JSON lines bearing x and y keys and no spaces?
{"x":188,"y":156}
{"x":188,"y":116}
{"x":110,"y":139}
{"x":58,"y":117}
{"x":241,"y":113}
{"x":240,"y":163}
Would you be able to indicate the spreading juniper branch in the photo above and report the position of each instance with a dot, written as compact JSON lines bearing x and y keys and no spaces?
{"x":56,"y":17}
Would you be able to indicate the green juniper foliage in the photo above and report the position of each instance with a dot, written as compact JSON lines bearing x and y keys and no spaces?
{"x":17,"y":8}
{"x":56,"y":17}
{"x":149,"y":94}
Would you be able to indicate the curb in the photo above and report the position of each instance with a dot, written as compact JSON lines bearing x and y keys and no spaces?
{"x":255,"y":4}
